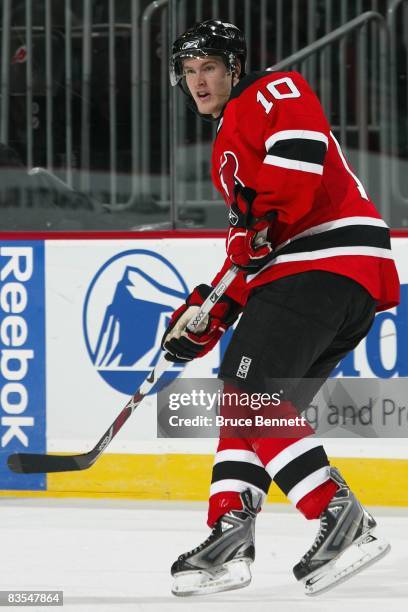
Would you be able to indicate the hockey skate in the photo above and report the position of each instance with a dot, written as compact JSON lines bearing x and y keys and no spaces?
{"x":345,"y":544}
{"x":221,"y":562}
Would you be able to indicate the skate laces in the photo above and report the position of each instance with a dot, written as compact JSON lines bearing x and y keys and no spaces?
{"x":202,"y":545}
{"x":319,"y":538}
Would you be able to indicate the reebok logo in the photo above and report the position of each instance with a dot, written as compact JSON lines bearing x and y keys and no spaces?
{"x":233,"y":217}
{"x":367,"y":540}
{"x":244,"y":366}
{"x":335,"y":510}
{"x":192,"y":44}
{"x":226,"y":526}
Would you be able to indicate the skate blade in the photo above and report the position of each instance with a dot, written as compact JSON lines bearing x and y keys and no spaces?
{"x":231,"y":575}
{"x":365,"y":551}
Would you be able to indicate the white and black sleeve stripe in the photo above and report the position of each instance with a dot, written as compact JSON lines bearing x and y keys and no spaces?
{"x":302,"y":150}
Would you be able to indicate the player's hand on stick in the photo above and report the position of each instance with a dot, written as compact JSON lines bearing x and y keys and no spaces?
{"x":182,"y":345}
{"x":247,"y":245}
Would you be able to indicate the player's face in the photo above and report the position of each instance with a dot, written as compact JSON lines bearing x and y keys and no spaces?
{"x":209,"y":83}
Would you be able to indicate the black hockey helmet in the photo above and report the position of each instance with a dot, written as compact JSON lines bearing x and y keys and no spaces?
{"x":212,"y":37}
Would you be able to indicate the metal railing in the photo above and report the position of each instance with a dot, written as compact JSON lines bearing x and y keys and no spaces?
{"x":61,"y":135}
{"x":111,"y":127}
{"x":379,"y":121}
{"x":322,"y":55}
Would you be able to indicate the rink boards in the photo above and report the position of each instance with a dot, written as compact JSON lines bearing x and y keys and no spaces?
{"x":81,"y":318}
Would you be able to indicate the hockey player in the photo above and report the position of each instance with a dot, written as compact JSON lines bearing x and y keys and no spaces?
{"x":315,"y":265}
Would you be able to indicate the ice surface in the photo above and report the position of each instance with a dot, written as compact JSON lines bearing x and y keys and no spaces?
{"x":114,"y":556}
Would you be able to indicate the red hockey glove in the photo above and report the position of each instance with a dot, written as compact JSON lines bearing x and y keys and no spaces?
{"x":182,"y":345}
{"x":247,"y":245}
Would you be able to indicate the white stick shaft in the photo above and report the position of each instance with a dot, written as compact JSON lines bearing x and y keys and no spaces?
{"x":213,"y":298}
{"x":162,"y":365}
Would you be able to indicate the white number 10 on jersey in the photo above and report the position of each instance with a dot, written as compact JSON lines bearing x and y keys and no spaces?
{"x":291,"y":91}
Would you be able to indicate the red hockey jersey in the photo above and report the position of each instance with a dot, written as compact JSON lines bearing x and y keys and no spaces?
{"x":273,"y":137}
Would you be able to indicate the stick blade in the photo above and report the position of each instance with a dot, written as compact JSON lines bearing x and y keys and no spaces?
{"x":31,"y":463}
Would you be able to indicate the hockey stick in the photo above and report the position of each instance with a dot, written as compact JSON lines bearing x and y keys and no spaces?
{"x":32,"y":463}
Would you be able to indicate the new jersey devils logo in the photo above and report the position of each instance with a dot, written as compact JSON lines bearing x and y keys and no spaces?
{"x":229,"y":175}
